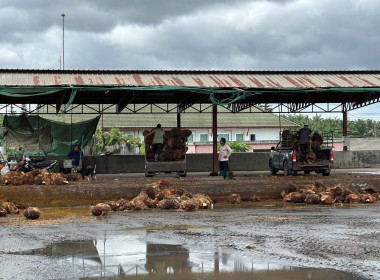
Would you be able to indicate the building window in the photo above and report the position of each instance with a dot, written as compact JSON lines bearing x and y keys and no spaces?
{"x":253,"y":137}
{"x":227,"y":136}
{"x":239,"y":137}
{"x":190,"y":139}
{"x":203,"y":137}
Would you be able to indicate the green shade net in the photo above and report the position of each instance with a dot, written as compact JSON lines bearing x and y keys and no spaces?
{"x":64,"y":135}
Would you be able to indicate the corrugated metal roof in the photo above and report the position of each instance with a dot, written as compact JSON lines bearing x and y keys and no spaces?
{"x":225,"y":79}
{"x":188,"y":120}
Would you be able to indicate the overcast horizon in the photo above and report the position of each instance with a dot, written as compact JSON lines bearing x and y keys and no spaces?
{"x":191,"y":35}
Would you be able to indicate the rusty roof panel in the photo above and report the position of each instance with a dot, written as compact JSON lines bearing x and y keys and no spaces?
{"x":227,"y":79}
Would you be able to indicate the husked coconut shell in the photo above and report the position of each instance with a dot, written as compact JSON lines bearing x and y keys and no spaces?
{"x":327,"y":199}
{"x":351,"y":198}
{"x":367,"y":198}
{"x":3,"y":212}
{"x":32,"y":213}
{"x":312,"y":198}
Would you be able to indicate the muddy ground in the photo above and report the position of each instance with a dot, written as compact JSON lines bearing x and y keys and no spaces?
{"x":344,"y":238}
{"x":114,"y":187}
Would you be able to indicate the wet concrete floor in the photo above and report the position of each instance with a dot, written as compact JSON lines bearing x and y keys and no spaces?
{"x":266,"y":240}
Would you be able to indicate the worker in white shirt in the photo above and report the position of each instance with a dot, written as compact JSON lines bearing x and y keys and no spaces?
{"x":224,"y":154}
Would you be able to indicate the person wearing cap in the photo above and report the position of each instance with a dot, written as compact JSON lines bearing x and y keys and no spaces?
{"x":304,"y":138}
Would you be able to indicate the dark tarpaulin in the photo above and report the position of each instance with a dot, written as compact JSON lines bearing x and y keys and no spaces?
{"x":64,"y":135}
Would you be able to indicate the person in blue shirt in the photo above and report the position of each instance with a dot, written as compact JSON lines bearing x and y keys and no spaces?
{"x":75,"y":155}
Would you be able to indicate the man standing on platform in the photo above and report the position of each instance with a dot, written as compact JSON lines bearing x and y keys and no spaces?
{"x":304,"y":139}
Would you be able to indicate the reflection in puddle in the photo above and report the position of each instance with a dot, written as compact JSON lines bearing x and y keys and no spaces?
{"x":128,"y":255}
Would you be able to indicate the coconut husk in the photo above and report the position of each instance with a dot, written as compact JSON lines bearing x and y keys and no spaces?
{"x":32,"y":213}
{"x":327,"y":199}
{"x":3,"y":212}
{"x":312,"y":198}
{"x":9,"y":207}
{"x":122,"y":204}
{"x":189,"y":205}
{"x":112,"y":204}
{"x":352,"y":198}
{"x":58,"y":180}
{"x":367,"y":198}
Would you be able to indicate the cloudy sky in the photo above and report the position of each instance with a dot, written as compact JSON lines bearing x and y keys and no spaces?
{"x":191,"y":34}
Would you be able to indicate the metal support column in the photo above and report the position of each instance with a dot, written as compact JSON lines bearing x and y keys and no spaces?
{"x":345,"y":123}
{"x":214,"y":140}
{"x":178,"y":121}
{"x":345,"y":133}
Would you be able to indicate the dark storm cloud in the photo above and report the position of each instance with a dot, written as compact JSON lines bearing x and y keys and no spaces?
{"x":191,"y":34}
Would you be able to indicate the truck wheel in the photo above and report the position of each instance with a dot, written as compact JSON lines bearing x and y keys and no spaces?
{"x":273,"y":170}
{"x":286,"y":169}
{"x":326,"y":172}
{"x":149,"y":174}
{"x":306,"y":171}
{"x":182,"y":173}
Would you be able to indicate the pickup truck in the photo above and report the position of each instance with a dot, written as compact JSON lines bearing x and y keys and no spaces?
{"x":283,"y":157}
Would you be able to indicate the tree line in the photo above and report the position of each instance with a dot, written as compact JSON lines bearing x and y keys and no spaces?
{"x":355,"y":128}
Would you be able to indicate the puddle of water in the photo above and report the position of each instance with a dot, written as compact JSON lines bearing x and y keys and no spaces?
{"x":128,"y":255}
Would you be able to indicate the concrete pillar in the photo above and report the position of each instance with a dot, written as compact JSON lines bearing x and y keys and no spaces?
{"x":345,"y":133}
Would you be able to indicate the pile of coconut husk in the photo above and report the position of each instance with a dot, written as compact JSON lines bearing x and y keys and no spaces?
{"x":159,"y":195}
{"x":318,"y":194}
{"x":174,"y":147}
{"x":39,"y":177}
{"x":7,"y":207}
{"x":291,"y":140}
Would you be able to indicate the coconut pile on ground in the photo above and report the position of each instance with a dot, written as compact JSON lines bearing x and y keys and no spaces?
{"x":318,"y":194}
{"x":174,"y":147}
{"x":159,"y":195}
{"x":38,"y":177}
{"x":7,"y":207}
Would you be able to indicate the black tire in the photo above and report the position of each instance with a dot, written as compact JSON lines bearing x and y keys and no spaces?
{"x":326,"y":172}
{"x":273,"y":170}
{"x":149,"y":174}
{"x":286,"y":169}
{"x":306,"y":171}
{"x":182,"y":173}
